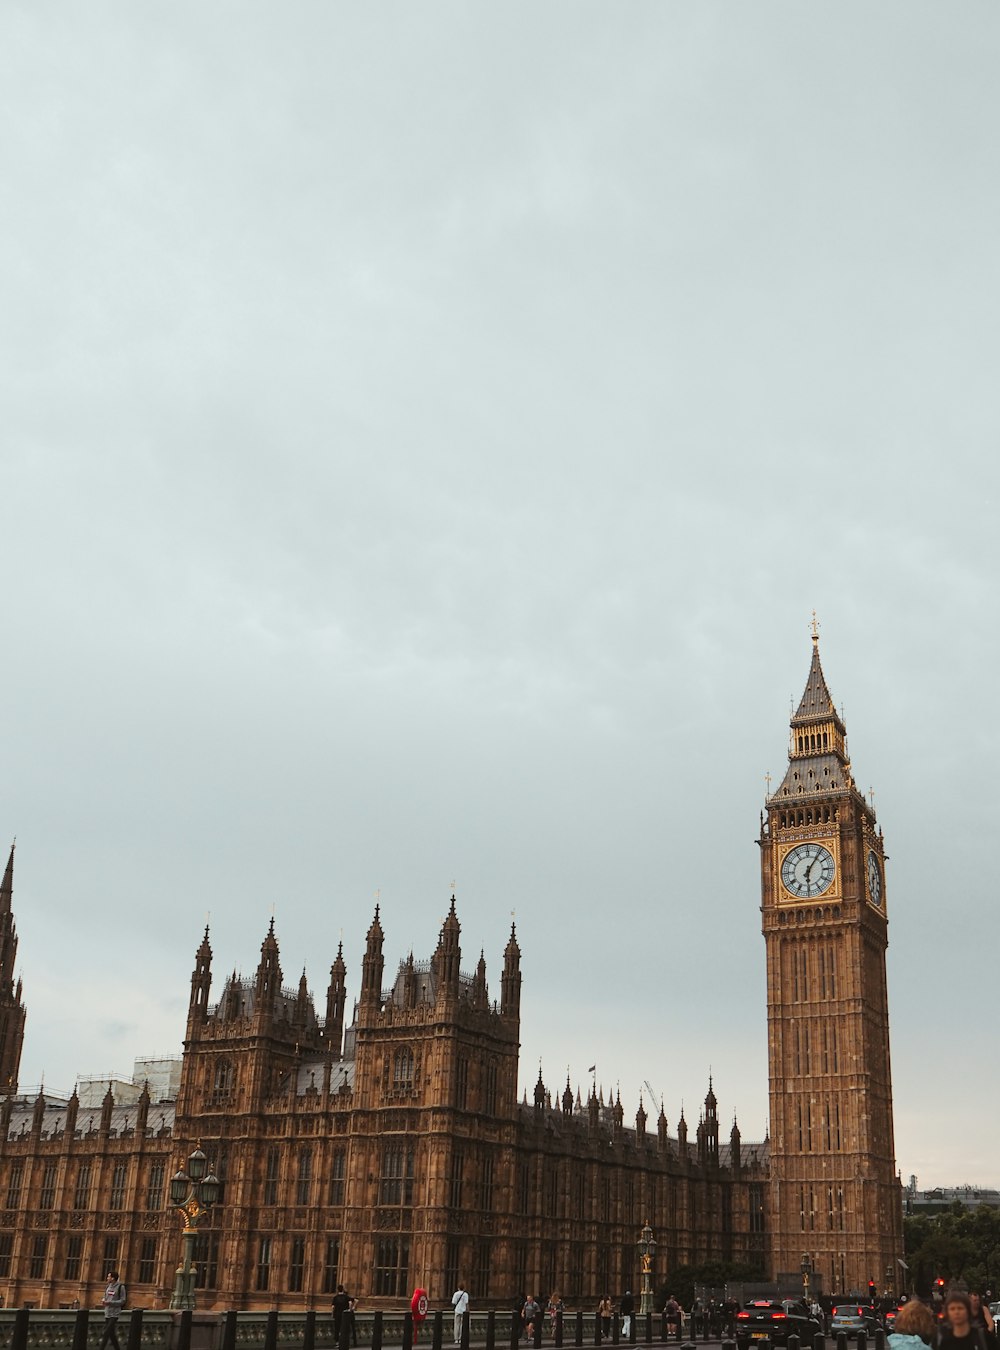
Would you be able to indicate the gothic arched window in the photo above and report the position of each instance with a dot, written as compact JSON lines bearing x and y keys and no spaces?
{"x":402,"y":1070}
{"x":225,"y":1076}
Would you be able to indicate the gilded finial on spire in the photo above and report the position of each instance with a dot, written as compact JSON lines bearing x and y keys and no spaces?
{"x":815,"y":628}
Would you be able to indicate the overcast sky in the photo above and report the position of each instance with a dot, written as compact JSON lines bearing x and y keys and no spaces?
{"x":426,"y":433}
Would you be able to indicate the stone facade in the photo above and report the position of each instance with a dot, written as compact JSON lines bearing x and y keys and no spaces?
{"x":393,"y":1150}
{"x":390,"y":1152}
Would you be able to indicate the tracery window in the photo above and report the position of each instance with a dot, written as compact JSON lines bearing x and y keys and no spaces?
{"x":402,"y":1071}
{"x":224,"y":1080}
{"x":396,"y":1182}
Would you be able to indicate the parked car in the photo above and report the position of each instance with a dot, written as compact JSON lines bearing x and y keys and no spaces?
{"x":852,"y":1319}
{"x":763,"y":1319}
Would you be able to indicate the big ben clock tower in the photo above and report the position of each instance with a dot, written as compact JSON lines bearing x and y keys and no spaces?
{"x":834,"y":1193}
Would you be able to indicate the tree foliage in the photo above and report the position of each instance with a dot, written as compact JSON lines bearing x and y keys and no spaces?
{"x":956,"y":1244}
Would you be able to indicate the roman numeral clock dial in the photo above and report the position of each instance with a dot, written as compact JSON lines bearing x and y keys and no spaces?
{"x":807,"y":871}
{"x":874,"y":879}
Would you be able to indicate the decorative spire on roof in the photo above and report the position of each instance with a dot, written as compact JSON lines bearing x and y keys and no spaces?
{"x":7,"y":885}
{"x":661,"y":1129}
{"x":8,"y":934}
{"x":539,"y":1091}
{"x":12,"y":1012}
{"x":817,"y":751}
{"x":201,"y":983}
{"x":336,"y":999}
{"x":107,"y":1106}
{"x":372,"y":965}
{"x":735,"y":1158}
{"x":268,"y":987}
{"x":479,"y":993}
{"x":510,"y":980}
{"x":449,"y":953}
{"x":302,"y":1002}
{"x":640,"y":1118}
{"x":816,"y":703}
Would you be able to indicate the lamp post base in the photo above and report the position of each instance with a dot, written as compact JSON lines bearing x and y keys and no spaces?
{"x":182,"y":1299}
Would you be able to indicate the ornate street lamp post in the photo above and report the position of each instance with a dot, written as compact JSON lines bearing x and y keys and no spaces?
{"x":647,"y":1246}
{"x":194,"y":1194}
{"x":806,"y":1272}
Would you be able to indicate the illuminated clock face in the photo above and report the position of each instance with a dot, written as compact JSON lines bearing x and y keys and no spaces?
{"x":874,"y":879}
{"x":807,"y":870}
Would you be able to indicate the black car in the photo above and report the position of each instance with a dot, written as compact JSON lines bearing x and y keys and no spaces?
{"x":763,"y":1319}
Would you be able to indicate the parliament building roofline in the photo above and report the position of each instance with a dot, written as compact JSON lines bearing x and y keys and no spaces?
{"x":390,"y":1146}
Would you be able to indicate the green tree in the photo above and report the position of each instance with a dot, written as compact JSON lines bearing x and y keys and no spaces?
{"x":955,"y":1245}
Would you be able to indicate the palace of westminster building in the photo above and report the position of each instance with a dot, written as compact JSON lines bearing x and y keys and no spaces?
{"x":394,"y":1150}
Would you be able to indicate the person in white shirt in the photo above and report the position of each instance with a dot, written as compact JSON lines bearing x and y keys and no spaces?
{"x":460,"y":1302}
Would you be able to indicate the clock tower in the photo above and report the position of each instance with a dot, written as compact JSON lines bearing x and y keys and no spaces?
{"x":834,"y":1193}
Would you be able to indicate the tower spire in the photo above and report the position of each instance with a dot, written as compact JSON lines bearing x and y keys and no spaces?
{"x":12,"y":1012}
{"x":372,"y":965}
{"x":201,"y":983}
{"x":336,"y":998}
{"x":817,"y":748}
{"x":510,"y":981}
{"x":268,"y":985}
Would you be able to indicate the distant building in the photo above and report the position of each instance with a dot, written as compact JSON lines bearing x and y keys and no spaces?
{"x":941,"y":1198}
{"x":160,"y":1078}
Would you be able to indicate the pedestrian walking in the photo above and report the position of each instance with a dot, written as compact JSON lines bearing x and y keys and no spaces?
{"x":627,"y":1308}
{"x":113,"y":1302}
{"x":555,"y":1309}
{"x":604,"y":1312}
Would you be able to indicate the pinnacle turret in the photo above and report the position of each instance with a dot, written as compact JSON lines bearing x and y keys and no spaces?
{"x":373,"y":965}
{"x":268,"y":985}
{"x":510,"y":981}
{"x":12,"y":1013}
{"x":448,"y":957}
{"x":201,"y":983}
{"x":336,"y":1000}
{"x":8,"y":934}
